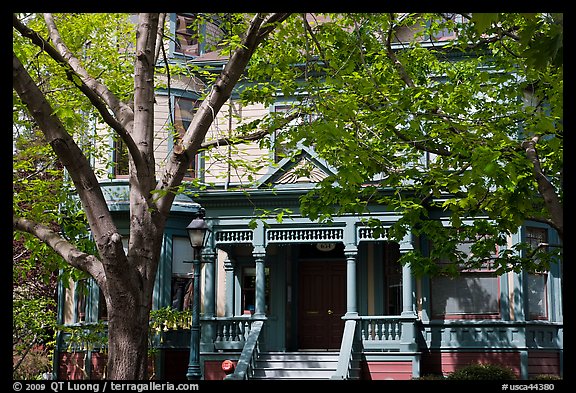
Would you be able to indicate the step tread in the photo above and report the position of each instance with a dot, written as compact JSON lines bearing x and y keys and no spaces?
{"x":303,"y":365}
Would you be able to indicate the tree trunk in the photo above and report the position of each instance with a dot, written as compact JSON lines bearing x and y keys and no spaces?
{"x":128,"y":342}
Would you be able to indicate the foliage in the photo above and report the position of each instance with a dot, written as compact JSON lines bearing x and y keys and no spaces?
{"x":434,"y":128}
{"x":482,"y":371}
{"x":33,"y":327}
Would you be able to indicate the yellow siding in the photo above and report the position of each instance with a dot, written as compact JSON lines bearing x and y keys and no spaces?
{"x":217,"y":169}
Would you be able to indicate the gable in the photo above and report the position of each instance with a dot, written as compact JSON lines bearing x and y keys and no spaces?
{"x":303,"y":170}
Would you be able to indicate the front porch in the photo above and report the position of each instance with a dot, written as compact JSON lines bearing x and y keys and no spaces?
{"x":379,"y":347}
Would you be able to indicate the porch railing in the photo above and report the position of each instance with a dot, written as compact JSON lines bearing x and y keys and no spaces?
{"x":249,"y":353}
{"x":388,"y":333}
{"x":344,"y":367}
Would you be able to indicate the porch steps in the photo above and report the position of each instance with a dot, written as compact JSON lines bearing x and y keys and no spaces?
{"x":295,"y":365}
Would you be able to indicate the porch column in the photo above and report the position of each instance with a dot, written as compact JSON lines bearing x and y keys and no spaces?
{"x":407,"y":288}
{"x":209,"y":283}
{"x":260,"y":307}
{"x":259,"y":252}
{"x":229,"y":269}
{"x":408,"y":315}
{"x":351,"y":306}
{"x":208,"y":326}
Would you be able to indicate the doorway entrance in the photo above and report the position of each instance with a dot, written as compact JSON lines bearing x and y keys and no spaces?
{"x":321,"y":303}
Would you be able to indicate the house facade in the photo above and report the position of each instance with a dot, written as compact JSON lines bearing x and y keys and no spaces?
{"x":331,"y":296}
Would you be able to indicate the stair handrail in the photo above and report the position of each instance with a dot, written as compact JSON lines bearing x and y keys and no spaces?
{"x":346,"y":351}
{"x":249,"y":353}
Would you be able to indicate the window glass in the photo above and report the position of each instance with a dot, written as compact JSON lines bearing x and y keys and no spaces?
{"x":181,"y":282}
{"x":184,"y":110}
{"x":249,"y":290}
{"x":120,"y":158}
{"x":81,"y":289}
{"x":472,"y":294}
{"x":280,"y":150}
{"x":187,"y":35}
{"x":392,"y":279}
{"x":536,"y":284}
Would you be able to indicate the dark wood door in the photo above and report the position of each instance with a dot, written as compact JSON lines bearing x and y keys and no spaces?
{"x":321,"y":304}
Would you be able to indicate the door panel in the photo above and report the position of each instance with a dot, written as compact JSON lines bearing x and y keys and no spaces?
{"x":322,"y":303}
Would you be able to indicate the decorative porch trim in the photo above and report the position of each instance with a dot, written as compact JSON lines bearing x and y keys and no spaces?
{"x":307,"y":235}
{"x":234,"y":236}
{"x":367,"y":234}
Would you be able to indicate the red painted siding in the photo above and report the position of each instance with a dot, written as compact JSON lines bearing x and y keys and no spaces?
{"x":447,"y":362}
{"x":213,"y":369}
{"x":383,"y":370}
{"x":543,"y":363}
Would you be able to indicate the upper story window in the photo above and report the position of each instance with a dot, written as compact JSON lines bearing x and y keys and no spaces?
{"x":293,"y":117}
{"x":184,"y":110}
{"x":280,"y":150}
{"x":120,"y":158}
{"x":187,"y":29}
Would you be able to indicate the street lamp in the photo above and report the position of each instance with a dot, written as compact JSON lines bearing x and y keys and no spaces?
{"x":197,"y":231}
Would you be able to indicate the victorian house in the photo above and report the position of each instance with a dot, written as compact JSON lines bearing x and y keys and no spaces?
{"x":299,"y":299}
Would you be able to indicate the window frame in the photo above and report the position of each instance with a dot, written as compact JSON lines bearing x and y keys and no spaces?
{"x":535,"y":241}
{"x":183,"y":33}
{"x":250,"y":271}
{"x":180,"y":129}
{"x":486,"y":271}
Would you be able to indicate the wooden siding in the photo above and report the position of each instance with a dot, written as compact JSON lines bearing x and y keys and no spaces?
{"x":387,"y":370}
{"x":543,"y":363}
{"x":213,"y":370}
{"x":216,"y":167}
{"x":436,"y":362}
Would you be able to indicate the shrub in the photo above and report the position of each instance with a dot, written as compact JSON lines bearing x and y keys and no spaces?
{"x":483,"y":371}
{"x":430,"y":377}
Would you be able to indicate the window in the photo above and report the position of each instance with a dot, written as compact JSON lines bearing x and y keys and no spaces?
{"x":181,"y":282}
{"x":249,"y":289}
{"x":392,"y":279}
{"x":120,"y":158}
{"x":184,"y":110}
{"x":280,"y":150}
{"x":474,"y":294}
{"x":187,"y":35}
{"x":102,"y":308}
{"x":536,"y":285}
{"x":81,"y":293}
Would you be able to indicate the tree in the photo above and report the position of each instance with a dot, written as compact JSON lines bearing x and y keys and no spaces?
{"x":125,"y":279}
{"x":423,"y":113}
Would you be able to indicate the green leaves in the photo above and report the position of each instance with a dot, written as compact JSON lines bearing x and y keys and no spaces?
{"x":440,"y":125}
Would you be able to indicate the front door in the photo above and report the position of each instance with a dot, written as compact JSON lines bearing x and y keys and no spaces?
{"x":321,"y":304}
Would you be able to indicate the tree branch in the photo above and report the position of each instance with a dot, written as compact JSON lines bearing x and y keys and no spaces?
{"x":254,"y":136}
{"x":220,"y":92}
{"x":68,"y":153}
{"x":98,"y":94}
{"x":545,"y":188}
{"x":80,"y":260}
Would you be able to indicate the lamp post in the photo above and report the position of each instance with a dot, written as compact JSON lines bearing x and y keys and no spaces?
{"x":197,"y":230}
